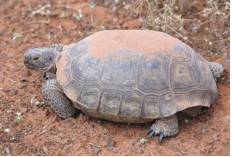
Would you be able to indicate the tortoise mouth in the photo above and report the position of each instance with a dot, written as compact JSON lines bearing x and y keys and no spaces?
{"x":31,"y":66}
{"x":39,"y":67}
{"x":27,"y":64}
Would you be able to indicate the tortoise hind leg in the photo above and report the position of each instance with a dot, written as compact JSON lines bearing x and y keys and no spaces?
{"x":58,"y":101}
{"x":164,"y":127}
{"x":190,"y":112}
{"x":216,"y":68}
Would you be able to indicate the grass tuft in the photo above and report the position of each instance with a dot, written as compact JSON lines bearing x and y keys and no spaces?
{"x":204,"y":25}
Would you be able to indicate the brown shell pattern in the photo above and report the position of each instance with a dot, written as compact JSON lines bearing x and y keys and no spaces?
{"x":134,"y":76}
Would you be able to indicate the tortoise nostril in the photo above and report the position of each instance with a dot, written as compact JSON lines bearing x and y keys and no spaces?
{"x":35,"y":58}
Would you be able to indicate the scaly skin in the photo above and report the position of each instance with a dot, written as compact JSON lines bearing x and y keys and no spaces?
{"x":56,"y":98}
{"x":216,"y":69}
{"x":164,"y":127}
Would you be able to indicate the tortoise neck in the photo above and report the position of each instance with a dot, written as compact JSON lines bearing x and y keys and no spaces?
{"x":52,"y":68}
{"x":58,"y":49}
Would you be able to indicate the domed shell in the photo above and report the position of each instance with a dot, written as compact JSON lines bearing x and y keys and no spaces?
{"x":134,"y":76}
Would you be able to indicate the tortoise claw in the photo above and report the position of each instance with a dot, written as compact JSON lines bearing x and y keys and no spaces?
{"x":150,"y":133}
{"x":161,"y":136}
{"x":46,"y":76}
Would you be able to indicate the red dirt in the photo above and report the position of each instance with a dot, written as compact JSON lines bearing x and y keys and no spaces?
{"x":39,"y":131}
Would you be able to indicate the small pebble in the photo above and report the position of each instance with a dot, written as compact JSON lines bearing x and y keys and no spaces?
{"x":24,"y":110}
{"x":13,"y":91}
{"x":203,"y":130}
{"x":23,"y":85}
{"x":142,"y":141}
{"x":215,"y":137}
{"x":7,"y":130}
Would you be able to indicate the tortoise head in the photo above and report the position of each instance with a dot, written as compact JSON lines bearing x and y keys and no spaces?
{"x":42,"y":58}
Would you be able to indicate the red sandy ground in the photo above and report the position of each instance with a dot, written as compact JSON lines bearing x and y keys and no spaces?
{"x":39,"y":131}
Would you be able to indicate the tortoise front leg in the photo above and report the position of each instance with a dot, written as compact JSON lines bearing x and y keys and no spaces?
{"x":164,"y":127}
{"x":56,"y":98}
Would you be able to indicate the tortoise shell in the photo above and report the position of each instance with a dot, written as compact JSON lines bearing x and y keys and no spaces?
{"x":134,"y":76}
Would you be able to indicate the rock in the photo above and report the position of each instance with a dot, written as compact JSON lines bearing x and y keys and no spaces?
{"x":133,"y":24}
{"x":23,"y":84}
{"x":24,"y":110}
{"x":215,"y":137}
{"x":13,"y":92}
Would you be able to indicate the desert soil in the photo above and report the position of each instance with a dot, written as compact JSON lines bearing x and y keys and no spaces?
{"x":26,"y":129}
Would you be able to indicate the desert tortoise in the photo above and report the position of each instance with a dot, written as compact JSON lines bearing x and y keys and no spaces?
{"x":132,"y":76}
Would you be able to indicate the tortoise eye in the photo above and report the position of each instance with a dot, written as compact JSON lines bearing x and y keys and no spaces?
{"x":35,"y":58}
